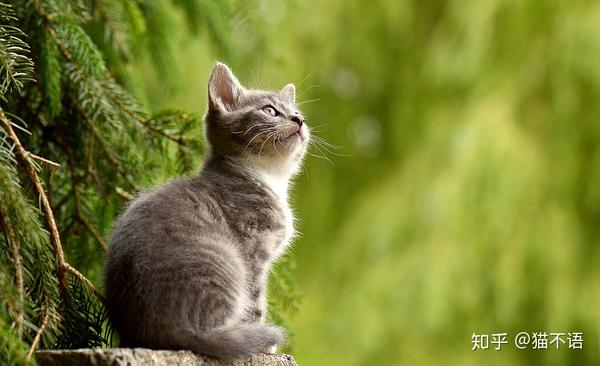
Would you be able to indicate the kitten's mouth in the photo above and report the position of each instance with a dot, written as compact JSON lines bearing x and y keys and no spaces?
{"x":297,"y":134}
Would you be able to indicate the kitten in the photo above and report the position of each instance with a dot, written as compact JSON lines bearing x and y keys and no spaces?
{"x":188,"y":261}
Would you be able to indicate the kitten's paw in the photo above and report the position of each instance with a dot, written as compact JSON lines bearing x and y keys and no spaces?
{"x":271,"y":349}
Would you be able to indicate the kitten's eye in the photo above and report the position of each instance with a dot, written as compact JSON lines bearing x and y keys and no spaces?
{"x":270,"y":111}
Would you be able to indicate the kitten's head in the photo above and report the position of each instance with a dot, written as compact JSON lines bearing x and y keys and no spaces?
{"x":263,"y":126}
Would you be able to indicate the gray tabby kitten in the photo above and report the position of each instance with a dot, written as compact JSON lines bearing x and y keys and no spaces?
{"x":188,"y":261}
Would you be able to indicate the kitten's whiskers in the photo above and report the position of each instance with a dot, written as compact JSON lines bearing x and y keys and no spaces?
{"x":306,"y":90}
{"x":271,"y":134}
{"x":323,"y":147}
{"x":251,"y":127}
{"x":255,"y":136}
{"x":308,"y":101}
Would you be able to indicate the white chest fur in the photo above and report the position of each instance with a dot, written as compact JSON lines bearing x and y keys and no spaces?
{"x":279,"y":185}
{"x":276,"y":175}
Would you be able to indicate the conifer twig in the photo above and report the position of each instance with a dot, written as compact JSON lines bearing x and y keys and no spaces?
{"x":117,"y":35}
{"x":92,"y":231}
{"x":38,"y":334}
{"x":110,"y":154}
{"x":43,"y":160}
{"x":62,"y":267}
{"x":69,"y":268}
{"x":76,"y":194}
{"x":181,"y":140}
{"x":104,"y":146}
{"x":89,"y":165}
{"x":36,"y":183}
{"x":15,"y":254}
{"x":123,"y":193}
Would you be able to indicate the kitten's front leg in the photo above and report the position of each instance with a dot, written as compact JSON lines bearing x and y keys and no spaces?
{"x":258,"y":310}
{"x":271,"y":349}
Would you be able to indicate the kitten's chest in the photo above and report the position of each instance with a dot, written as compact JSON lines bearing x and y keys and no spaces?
{"x":278,"y":236}
{"x":288,"y":223}
{"x":261,"y":220}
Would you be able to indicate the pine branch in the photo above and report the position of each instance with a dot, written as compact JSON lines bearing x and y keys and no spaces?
{"x":77,"y":198}
{"x":90,"y":228}
{"x":14,"y":351}
{"x":89,"y":164}
{"x":50,"y":73}
{"x":116,"y":27}
{"x":69,"y":268}
{"x":126,"y":196}
{"x":15,"y":65}
{"x":113,"y":93}
{"x":108,"y":96}
{"x":83,"y":316}
{"x":100,"y":95}
{"x":39,"y":333}
{"x":183,"y":124}
{"x":216,"y":15}
{"x":191,"y":10}
{"x":159,"y":41}
{"x":43,"y":160}
{"x":37,"y":260}
{"x":110,"y":155}
{"x":36,"y":183}
{"x":14,"y":252}
{"x":180,"y":140}
{"x":62,"y":266}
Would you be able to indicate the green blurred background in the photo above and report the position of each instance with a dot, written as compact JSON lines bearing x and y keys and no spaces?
{"x":465,"y":195}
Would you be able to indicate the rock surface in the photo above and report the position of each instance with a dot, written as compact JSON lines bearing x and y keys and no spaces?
{"x":143,"y":357}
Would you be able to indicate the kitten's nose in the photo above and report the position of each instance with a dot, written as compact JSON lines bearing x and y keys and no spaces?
{"x":297,"y":117}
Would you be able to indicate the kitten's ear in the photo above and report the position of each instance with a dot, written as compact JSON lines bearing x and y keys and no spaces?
{"x":224,"y":90}
{"x":289,"y":93}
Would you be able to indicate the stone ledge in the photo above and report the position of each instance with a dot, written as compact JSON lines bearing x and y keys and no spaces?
{"x":143,"y":357}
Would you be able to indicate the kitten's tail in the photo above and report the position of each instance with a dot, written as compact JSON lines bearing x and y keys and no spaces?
{"x":237,"y":341}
